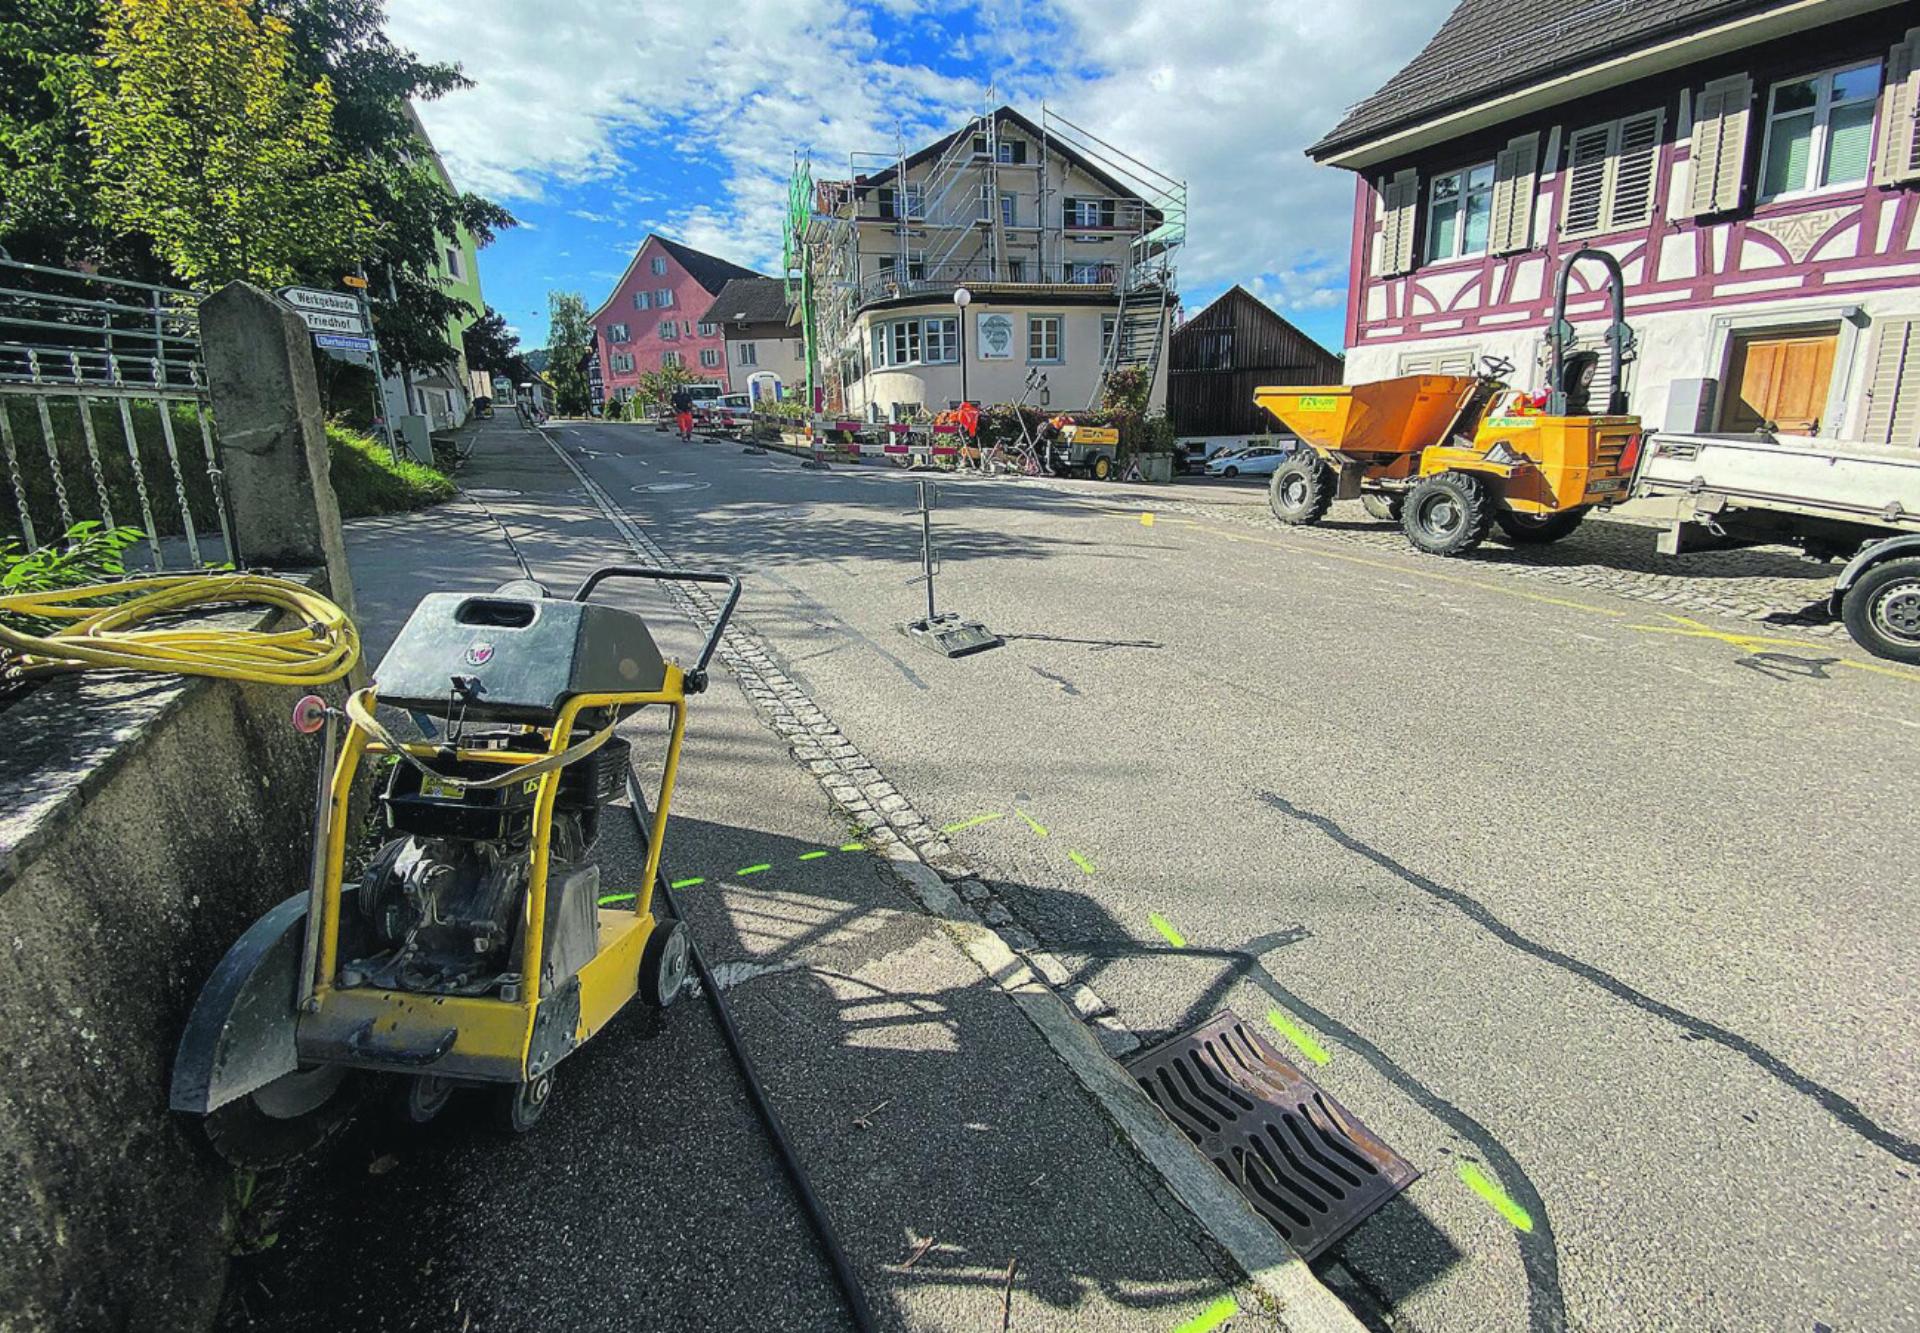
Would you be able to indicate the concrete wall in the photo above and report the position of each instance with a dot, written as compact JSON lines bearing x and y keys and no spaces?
{"x":144,"y":823}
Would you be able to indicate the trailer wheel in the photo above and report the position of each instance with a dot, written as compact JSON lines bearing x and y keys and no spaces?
{"x":1101,"y":468}
{"x":1538,"y":529}
{"x":1301,"y":490}
{"x":1384,"y":505}
{"x":1882,"y":610}
{"x":1448,"y":513}
{"x":664,"y":963}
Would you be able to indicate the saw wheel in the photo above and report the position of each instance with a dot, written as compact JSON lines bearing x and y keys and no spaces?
{"x":288,"y":1118}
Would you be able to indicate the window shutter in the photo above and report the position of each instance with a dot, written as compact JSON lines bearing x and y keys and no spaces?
{"x":1515,"y":172}
{"x":1399,"y":198}
{"x":1586,"y":200}
{"x":1635,"y":163}
{"x":1720,"y":112}
{"x":1893,"y":385}
{"x":1900,"y":115}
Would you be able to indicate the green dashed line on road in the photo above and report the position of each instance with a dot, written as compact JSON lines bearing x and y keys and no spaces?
{"x":1032,"y":823}
{"x":689,"y":883}
{"x":1080,"y":861}
{"x":971,"y":823}
{"x":1310,"y":1048}
{"x":1165,"y":927}
{"x":853,"y":847}
{"x":814,"y":856}
{"x":1210,"y":1318}
{"x":611,"y":898}
{"x":1476,"y":1181}
{"x":754,"y":870}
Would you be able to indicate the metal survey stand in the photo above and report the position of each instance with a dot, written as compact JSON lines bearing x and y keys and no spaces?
{"x":943,"y":631}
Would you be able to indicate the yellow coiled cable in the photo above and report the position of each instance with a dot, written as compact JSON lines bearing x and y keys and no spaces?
{"x":105,"y":619}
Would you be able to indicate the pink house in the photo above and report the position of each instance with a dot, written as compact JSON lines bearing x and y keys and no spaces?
{"x":1753,"y":165}
{"x":654,"y":317}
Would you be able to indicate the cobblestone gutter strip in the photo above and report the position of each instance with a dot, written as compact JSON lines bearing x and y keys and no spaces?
{"x":1076,"y":1023}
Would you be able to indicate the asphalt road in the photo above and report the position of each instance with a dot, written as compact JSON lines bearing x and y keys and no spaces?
{"x":1598,"y":906}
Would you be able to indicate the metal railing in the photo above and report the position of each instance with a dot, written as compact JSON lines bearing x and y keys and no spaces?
{"x":936,"y":279}
{"x":104,"y":412}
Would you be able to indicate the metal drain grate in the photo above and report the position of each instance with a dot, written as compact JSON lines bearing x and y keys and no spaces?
{"x":1304,"y":1161}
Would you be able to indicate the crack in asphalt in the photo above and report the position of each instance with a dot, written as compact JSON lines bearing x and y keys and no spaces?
{"x":1842,"y":1108}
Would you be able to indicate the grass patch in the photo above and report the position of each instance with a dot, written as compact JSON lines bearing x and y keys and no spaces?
{"x":367,"y":480}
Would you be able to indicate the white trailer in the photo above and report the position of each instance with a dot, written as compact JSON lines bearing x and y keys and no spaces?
{"x":1835,"y":499}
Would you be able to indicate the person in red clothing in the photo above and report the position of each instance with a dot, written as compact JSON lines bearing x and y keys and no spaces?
{"x":683,"y":412}
{"x":970,"y":419}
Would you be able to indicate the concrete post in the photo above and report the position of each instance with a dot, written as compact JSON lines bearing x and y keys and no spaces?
{"x":273,"y":437}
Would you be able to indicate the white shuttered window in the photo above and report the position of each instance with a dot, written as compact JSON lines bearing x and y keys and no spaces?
{"x":1899,"y":159}
{"x":1399,"y":202}
{"x":1721,"y":111}
{"x":1516,"y":177}
{"x":1893,"y":385}
{"x":1611,"y":169}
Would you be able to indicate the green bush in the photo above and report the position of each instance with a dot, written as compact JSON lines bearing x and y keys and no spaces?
{"x":368,"y":480}
{"x":88,"y":554}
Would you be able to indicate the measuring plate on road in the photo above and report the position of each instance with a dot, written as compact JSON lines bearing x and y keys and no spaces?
{"x":1303,"y":1160}
{"x":658,"y":486}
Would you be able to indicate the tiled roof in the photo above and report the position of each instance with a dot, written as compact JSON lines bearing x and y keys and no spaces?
{"x":749,"y":300}
{"x":710,"y":271}
{"x":1490,"y":47}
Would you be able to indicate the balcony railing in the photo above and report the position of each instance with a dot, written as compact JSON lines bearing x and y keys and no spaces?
{"x":944,"y":279}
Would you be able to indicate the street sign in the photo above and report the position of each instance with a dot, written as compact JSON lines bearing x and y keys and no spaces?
{"x":304,"y":299}
{"x":320,"y":322}
{"x":336,"y":342}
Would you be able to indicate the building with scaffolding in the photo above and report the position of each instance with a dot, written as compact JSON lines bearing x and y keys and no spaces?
{"x":1010,"y":260}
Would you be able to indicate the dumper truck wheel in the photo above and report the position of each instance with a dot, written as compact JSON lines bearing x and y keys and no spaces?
{"x":1301,"y":490}
{"x":1383,"y":505}
{"x":1448,"y":513}
{"x":1882,"y":610}
{"x":1538,"y":529}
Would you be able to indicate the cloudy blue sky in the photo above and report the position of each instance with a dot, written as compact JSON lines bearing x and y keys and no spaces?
{"x":597,"y":121}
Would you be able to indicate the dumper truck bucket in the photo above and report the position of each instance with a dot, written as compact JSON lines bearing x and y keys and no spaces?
{"x":1386,"y":418}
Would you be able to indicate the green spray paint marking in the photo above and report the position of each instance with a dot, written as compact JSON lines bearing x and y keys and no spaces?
{"x":612,"y":898}
{"x":971,"y":823}
{"x":853,"y":846}
{"x":1165,"y":927}
{"x":1032,"y":823}
{"x":1312,"y":1049}
{"x":1080,"y":861}
{"x":813,"y":856}
{"x":1210,"y":1318}
{"x":1494,"y":1195}
{"x":689,"y":883}
{"x":754,"y":870}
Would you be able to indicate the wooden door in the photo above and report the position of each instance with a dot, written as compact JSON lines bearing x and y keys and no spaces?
{"x":1779,"y":382}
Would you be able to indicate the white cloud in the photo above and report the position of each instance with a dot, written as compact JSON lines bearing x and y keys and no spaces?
{"x":1222,"y":93}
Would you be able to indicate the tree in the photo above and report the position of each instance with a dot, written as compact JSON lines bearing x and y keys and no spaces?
{"x":207,"y":141}
{"x":569,"y":339}
{"x":657,"y":386}
{"x":45,"y":213}
{"x":491,"y":346}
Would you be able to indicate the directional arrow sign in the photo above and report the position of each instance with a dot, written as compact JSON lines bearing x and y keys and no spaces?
{"x":304,"y":299}
{"x":320,"y":322}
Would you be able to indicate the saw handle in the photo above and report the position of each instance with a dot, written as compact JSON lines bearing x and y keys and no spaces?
{"x":697,"y":677}
{"x":361,"y":1043}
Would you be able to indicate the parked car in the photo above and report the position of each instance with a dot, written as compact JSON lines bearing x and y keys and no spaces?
{"x":1259,"y":461}
{"x":728,"y":411}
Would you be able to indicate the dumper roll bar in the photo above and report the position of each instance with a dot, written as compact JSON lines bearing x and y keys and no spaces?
{"x":1618,"y":337}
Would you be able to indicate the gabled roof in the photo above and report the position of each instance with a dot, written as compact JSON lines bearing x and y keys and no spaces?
{"x":1197,"y":323}
{"x":1487,"y":48}
{"x":749,"y":301}
{"x":710,"y":271}
{"x":1006,"y":113}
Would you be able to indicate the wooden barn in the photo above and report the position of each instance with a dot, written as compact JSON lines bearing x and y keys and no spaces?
{"x":1227,"y":350}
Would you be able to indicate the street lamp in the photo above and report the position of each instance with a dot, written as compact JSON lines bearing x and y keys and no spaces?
{"x":962,"y":298}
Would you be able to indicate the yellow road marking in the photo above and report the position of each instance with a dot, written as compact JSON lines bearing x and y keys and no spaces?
{"x":1686,"y":627}
{"x":754,"y":870}
{"x":611,"y":898}
{"x":1476,"y":1181}
{"x":814,"y":856}
{"x":689,"y":883}
{"x":971,"y":823}
{"x":1898,"y":673}
{"x":1032,"y":823}
{"x":1210,"y":1318}
{"x":1146,"y":520}
{"x":853,"y":847}
{"x":1165,"y":927}
{"x":1310,"y":1048}
{"x":1080,"y":861}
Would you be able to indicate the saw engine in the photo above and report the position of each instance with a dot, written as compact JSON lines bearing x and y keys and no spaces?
{"x":443,"y":902}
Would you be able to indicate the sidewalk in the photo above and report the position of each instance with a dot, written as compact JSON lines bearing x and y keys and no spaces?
{"x":944,"y":1136}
